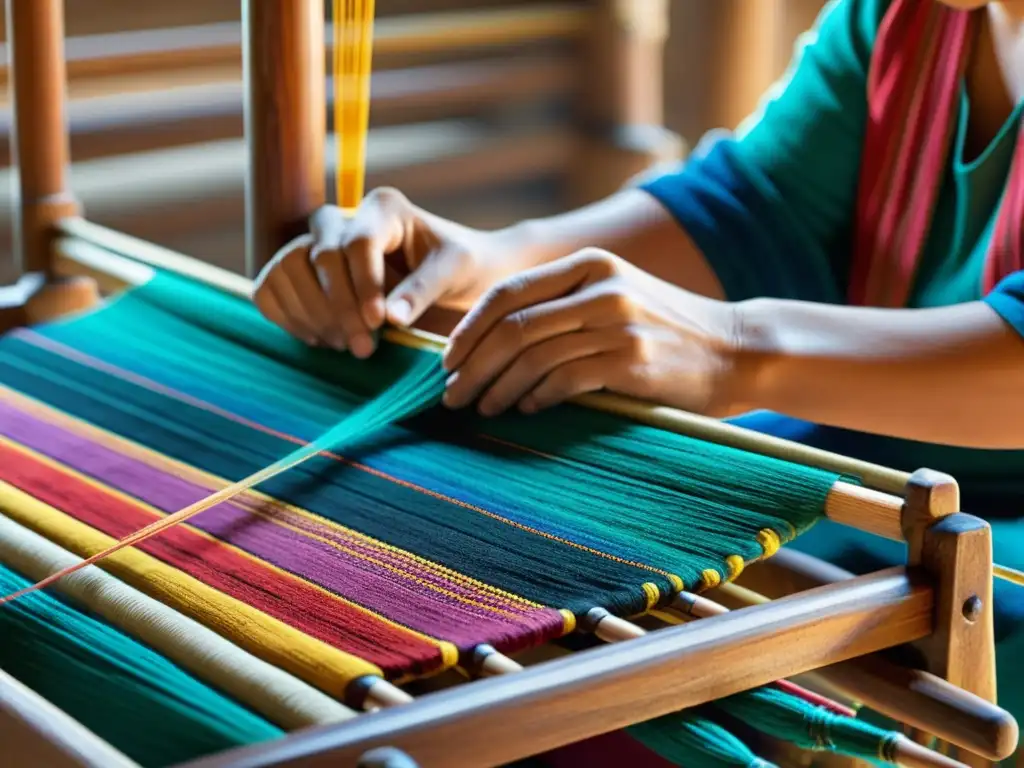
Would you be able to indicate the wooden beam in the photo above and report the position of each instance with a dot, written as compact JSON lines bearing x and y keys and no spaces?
{"x":611,"y":687}
{"x":40,"y":139}
{"x":161,"y":194}
{"x":218,"y":47}
{"x":123,"y":124}
{"x":285,"y":122}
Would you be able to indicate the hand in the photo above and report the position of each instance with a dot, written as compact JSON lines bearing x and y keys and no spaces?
{"x":587,"y":322}
{"x":328,"y":287}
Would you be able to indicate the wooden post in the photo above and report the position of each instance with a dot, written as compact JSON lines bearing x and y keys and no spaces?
{"x":285,"y":121}
{"x":956,"y":551}
{"x":624,"y":97}
{"x":35,"y":30}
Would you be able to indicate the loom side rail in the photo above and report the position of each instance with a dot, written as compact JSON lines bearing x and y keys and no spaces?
{"x":35,"y":732}
{"x":603,"y":689}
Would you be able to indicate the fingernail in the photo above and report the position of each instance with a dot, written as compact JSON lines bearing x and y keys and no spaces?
{"x":527,"y":406}
{"x":337,"y":341}
{"x":374,"y":312}
{"x":362,"y":346}
{"x":401,"y":311}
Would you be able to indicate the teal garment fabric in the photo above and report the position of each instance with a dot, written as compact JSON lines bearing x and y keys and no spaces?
{"x":771,"y":208}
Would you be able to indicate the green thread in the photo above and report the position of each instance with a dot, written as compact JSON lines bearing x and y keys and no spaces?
{"x":127,"y":694}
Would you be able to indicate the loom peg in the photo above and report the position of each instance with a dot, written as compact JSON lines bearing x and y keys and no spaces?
{"x":919,"y":698}
{"x":488,"y":662}
{"x":386,"y":757}
{"x":910,"y":754}
{"x":372,"y":694}
{"x":609,"y":628}
{"x":699,"y":607}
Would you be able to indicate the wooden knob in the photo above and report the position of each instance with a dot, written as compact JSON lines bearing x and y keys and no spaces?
{"x":386,"y":757}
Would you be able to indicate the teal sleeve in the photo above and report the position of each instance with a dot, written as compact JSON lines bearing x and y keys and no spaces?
{"x":771,"y":206}
{"x":1007,"y":299}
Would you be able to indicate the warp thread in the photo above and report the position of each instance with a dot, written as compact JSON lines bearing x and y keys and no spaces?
{"x":418,"y":390}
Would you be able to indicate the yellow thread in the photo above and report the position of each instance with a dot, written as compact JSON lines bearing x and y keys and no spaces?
{"x":652,"y":594}
{"x":152,"y":511}
{"x":769,"y":541}
{"x":277,"y":643}
{"x":710,"y":578}
{"x":353,"y":57}
{"x":188,"y":472}
{"x":735,"y":565}
{"x":568,"y":620}
{"x":677,"y":583}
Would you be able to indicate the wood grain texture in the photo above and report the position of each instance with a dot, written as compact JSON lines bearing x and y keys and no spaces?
{"x":606,"y":688}
{"x":919,"y":698}
{"x":285,"y":122}
{"x":40,"y":139}
{"x":957,"y":554}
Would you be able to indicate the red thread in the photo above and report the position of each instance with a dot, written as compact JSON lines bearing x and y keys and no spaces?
{"x":286,"y":598}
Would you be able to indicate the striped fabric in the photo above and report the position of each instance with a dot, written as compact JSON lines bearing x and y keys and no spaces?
{"x":914,"y":87}
{"x":432,"y":538}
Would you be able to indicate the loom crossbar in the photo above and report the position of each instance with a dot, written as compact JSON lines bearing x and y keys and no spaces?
{"x":598,"y":690}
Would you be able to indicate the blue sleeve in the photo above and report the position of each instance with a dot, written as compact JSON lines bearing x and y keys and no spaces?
{"x":771,"y":206}
{"x":1007,"y":299}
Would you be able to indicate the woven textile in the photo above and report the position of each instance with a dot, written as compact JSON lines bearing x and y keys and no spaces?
{"x":425,"y":539}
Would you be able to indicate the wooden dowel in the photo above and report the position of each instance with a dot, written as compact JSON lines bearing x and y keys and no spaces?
{"x":912,"y":755}
{"x":917,"y":698}
{"x":217,"y":46}
{"x":699,"y":607}
{"x":373,"y":694}
{"x":386,"y":758}
{"x":40,"y":140}
{"x":488,"y":662}
{"x":285,"y":122}
{"x":171,"y":114}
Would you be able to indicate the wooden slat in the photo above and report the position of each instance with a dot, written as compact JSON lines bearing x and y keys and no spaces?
{"x":201,"y":187}
{"x":34,"y":732}
{"x":611,"y":687}
{"x":217,"y":47}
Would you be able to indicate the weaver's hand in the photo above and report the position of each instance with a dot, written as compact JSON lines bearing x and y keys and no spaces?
{"x":391,"y":260}
{"x":587,"y":322}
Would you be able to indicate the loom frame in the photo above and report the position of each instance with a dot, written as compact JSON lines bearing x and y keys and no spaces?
{"x":939,"y":603}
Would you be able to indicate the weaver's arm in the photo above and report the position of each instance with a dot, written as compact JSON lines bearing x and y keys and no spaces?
{"x":950,"y":375}
{"x":762,"y":220}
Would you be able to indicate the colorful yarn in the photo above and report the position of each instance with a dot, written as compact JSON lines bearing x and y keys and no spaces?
{"x":789,"y":717}
{"x":688,"y":739}
{"x":127,"y":694}
{"x":275,"y":642}
{"x":276,"y":695}
{"x":386,"y":552}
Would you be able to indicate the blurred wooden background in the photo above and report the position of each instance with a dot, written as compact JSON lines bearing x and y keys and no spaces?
{"x":472,"y":130}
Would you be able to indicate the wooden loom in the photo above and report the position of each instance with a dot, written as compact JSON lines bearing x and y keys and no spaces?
{"x":827,"y":622}
{"x":475,"y":109}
